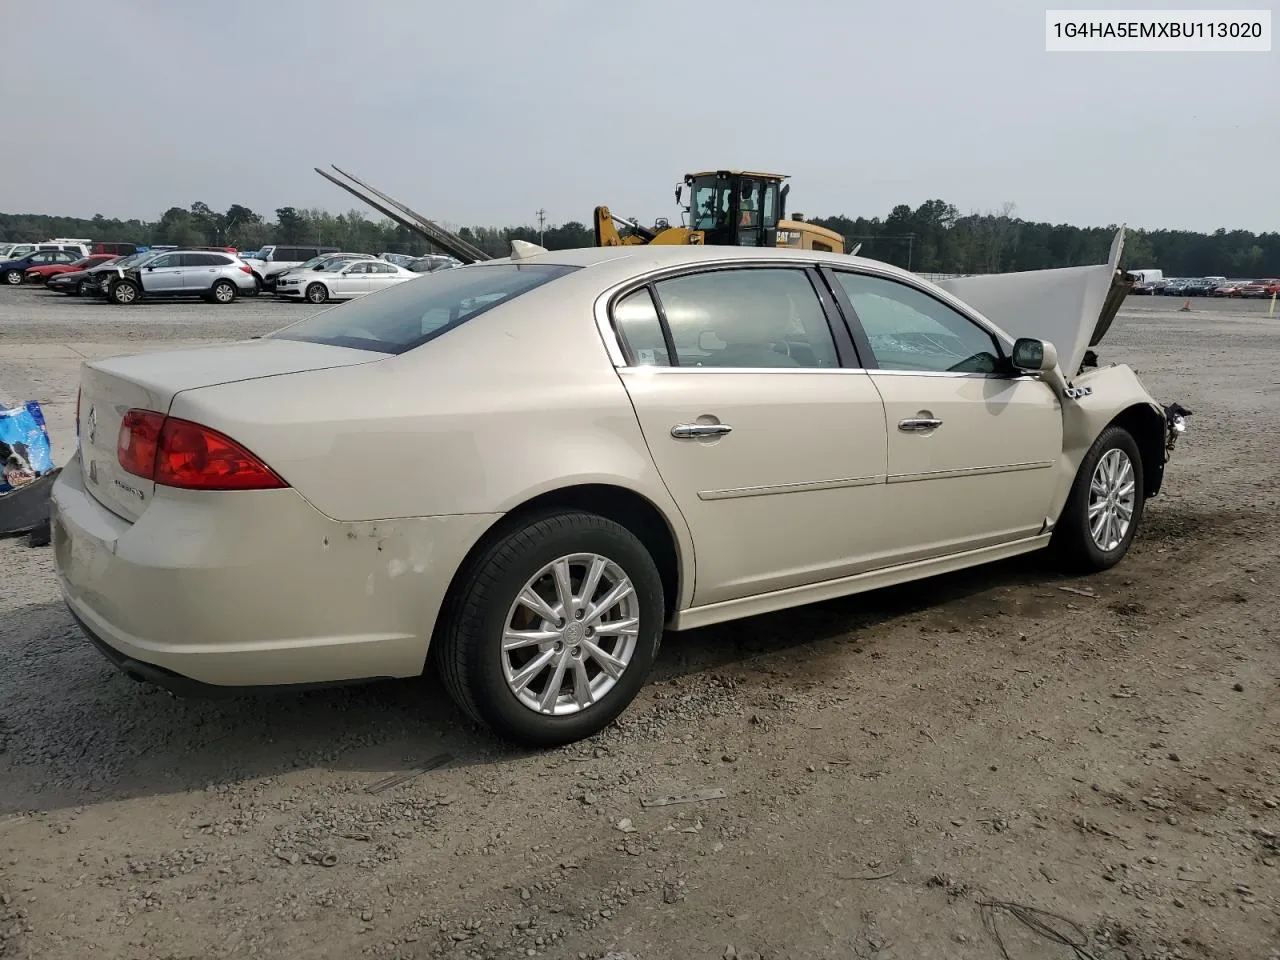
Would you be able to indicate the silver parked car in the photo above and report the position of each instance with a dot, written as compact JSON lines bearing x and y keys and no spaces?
{"x":217,"y":277}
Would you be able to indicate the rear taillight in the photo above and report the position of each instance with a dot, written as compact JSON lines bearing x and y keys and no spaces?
{"x":179,"y":453}
{"x":138,"y":441}
{"x":246,"y":269}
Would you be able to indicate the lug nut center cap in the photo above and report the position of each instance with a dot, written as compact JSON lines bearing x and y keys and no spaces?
{"x":573,"y":634}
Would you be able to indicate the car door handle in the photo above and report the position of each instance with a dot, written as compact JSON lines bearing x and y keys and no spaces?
{"x":696,"y":431}
{"x":918,"y":424}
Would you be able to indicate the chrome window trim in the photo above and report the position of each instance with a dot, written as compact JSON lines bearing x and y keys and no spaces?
{"x":612,"y":341}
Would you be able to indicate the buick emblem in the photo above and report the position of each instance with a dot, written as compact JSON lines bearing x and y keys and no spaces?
{"x":92,"y":424}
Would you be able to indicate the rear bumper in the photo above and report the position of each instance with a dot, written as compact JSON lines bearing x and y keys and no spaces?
{"x":252,"y":589}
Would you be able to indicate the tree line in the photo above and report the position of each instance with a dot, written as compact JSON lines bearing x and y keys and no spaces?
{"x":933,"y":237}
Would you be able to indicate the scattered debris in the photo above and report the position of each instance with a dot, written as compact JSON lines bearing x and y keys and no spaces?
{"x":695,"y":796}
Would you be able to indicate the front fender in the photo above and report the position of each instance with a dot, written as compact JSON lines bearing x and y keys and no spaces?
{"x":1103,"y":396}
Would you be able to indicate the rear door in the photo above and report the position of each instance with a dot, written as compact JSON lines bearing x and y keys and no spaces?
{"x":381,"y":276}
{"x":200,"y":270}
{"x":769,"y":437}
{"x":972,"y":444}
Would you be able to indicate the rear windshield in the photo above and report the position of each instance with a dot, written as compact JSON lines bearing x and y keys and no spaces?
{"x":415,"y":311}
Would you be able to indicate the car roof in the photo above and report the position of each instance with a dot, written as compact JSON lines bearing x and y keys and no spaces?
{"x":638,"y":258}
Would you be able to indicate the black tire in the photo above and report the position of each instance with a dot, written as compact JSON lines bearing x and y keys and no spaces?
{"x":41,"y":535}
{"x":77,"y":290}
{"x":222,"y":291}
{"x":467,"y":649}
{"x":1073,"y":539}
{"x":317,"y":293}
{"x":123,"y":292}
{"x":13,"y":277}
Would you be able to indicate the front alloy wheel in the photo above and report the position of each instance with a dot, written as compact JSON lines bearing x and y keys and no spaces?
{"x":1104,"y":508}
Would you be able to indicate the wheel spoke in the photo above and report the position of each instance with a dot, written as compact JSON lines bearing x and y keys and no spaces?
{"x":1126,"y":491}
{"x":581,"y":685}
{"x":619,"y":628}
{"x":518,"y":639}
{"x":592,"y":583}
{"x":608,"y":662}
{"x":1125,"y":511}
{"x":1096,"y":508}
{"x":1097,"y":525}
{"x":564,"y":586}
{"x":621,"y":590}
{"x":551,"y":693}
{"x":529,"y":598}
{"x":535,"y":667}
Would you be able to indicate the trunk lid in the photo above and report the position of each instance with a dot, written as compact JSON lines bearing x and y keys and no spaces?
{"x":110,"y":388}
{"x":1072,"y":307}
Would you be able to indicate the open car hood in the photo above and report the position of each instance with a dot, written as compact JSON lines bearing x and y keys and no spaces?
{"x":1071,"y":307}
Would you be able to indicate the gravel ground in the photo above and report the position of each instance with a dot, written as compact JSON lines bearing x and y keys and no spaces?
{"x":893,"y":769}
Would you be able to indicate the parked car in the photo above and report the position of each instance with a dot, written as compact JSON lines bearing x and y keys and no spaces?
{"x":433,"y":262}
{"x":1259,"y":289}
{"x":42,"y":272}
{"x":217,"y":277}
{"x":342,"y":281}
{"x":275,"y":259}
{"x":118,"y":249}
{"x":73,"y":283}
{"x":557,"y":455}
{"x":14,"y":271}
{"x":1229,"y":288}
{"x":316,"y":264}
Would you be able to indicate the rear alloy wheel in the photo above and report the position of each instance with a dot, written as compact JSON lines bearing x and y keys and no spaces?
{"x":123,"y":292}
{"x":553,"y":630}
{"x":224,"y":291}
{"x":317,"y":293}
{"x":1104,"y":508}
{"x":13,"y":277}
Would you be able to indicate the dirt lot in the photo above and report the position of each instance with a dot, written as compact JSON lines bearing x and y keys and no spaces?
{"x":1107,"y":749}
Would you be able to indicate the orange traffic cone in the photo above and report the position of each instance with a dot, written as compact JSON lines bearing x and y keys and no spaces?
{"x":1186,"y":307}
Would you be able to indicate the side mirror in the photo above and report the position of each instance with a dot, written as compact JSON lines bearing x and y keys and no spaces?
{"x":1034,"y":355}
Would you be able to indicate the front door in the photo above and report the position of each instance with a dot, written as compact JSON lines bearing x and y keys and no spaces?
{"x":972,"y":444}
{"x":774,"y":453}
{"x":353,"y":281}
{"x":163,"y":276}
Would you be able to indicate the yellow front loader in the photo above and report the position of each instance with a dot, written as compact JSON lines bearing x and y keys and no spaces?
{"x":739,"y":208}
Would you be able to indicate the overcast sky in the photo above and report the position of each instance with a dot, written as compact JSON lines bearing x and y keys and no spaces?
{"x":483,"y":112}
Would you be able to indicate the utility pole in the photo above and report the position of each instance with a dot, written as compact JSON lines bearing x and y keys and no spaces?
{"x":542,"y":219}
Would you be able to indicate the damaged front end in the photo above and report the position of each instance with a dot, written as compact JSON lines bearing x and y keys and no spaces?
{"x":1175,"y":419}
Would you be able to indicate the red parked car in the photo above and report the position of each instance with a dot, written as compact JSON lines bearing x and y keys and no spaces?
{"x":44,"y":271}
{"x":1261,"y":288}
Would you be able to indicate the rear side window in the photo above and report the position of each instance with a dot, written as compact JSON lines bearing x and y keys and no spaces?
{"x":409,"y":314}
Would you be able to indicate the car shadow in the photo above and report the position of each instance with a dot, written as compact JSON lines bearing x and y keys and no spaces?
{"x":73,"y":730}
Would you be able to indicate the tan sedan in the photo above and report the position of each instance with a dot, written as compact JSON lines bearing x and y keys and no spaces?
{"x":521,"y":472}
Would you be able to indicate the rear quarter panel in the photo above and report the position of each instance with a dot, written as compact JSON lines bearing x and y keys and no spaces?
{"x":520,"y":401}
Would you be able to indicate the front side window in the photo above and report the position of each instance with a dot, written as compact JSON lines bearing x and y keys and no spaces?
{"x":752,"y":318}
{"x":910,"y":330}
{"x":168,"y":260}
{"x":709,"y":203}
{"x":407,"y":315}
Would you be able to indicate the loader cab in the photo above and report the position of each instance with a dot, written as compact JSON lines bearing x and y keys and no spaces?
{"x":735,"y":208}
